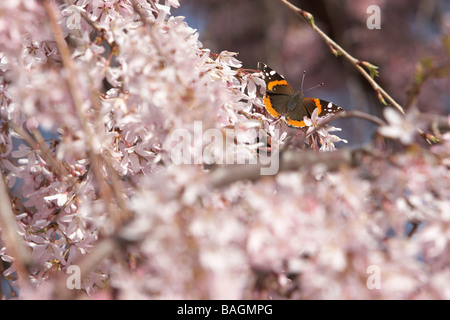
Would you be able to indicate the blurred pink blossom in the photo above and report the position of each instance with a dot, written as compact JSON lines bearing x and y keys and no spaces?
{"x":303,"y":234}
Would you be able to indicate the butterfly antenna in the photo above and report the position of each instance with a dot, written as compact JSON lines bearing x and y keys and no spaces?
{"x":303,"y":79}
{"x":319,"y":85}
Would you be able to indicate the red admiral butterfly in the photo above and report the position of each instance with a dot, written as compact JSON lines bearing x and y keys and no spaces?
{"x":281,"y":100}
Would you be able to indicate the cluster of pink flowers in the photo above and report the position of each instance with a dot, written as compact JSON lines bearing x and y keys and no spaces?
{"x":299,"y":234}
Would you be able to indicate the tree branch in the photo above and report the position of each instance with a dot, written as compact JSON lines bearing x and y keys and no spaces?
{"x":338,"y":50}
{"x":10,"y":235}
{"x":288,"y":161}
{"x":108,"y":191}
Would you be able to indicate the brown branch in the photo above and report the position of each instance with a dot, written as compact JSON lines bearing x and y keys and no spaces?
{"x":360,"y":115}
{"x":102,"y":250}
{"x":10,"y":235}
{"x":338,"y":50}
{"x":137,"y":8}
{"x":36,"y":142}
{"x":288,"y":161}
{"x":119,"y":214}
{"x":345,"y":115}
{"x":436,"y":122}
{"x":107,"y":191}
{"x":93,"y":24}
{"x":139,"y":11}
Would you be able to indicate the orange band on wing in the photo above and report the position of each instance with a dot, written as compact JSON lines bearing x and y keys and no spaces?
{"x":271,"y":84}
{"x":318,"y":105}
{"x":270,"y":109}
{"x":295,"y":123}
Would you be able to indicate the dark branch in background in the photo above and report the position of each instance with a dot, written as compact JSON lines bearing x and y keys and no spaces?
{"x":337,"y":50}
{"x":437,"y":123}
{"x":360,"y":115}
{"x":289,"y":161}
{"x":346,"y":115}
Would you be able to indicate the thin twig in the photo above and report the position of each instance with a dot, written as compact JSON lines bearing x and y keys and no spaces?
{"x":338,"y":50}
{"x":93,"y":24}
{"x":140,"y":12}
{"x":360,"y":115}
{"x":346,"y":115}
{"x":152,"y":3}
{"x":36,"y":142}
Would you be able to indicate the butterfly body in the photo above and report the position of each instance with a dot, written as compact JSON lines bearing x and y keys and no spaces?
{"x":281,"y":100}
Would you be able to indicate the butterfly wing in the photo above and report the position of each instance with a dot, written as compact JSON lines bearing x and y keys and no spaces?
{"x":278,"y":91}
{"x":326,"y":108}
{"x":307,"y":107}
{"x":279,"y":95}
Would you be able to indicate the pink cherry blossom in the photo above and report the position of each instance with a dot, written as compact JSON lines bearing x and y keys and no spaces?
{"x":400,"y":127}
